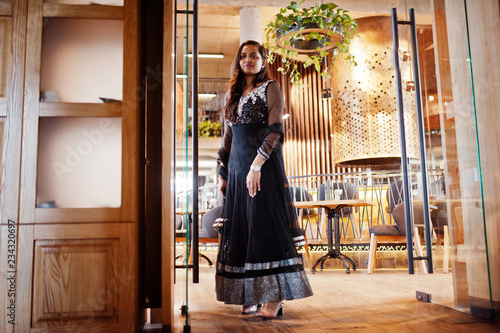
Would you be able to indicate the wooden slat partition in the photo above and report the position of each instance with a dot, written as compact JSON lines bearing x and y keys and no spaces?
{"x":308,"y":146}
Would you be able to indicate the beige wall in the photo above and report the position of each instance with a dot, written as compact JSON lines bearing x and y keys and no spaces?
{"x":82,"y":59}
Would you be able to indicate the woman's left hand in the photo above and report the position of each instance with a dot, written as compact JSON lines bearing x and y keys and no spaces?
{"x":253,"y":182}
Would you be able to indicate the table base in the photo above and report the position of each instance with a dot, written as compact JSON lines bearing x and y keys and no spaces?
{"x":334,"y":255}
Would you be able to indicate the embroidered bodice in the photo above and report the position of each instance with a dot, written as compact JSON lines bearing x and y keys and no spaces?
{"x":252,"y":108}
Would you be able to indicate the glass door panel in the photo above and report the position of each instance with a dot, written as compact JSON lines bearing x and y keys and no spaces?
{"x":460,"y":274}
{"x":183,"y":158}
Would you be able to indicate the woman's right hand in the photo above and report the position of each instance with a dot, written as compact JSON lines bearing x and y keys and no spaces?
{"x":222,"y":186}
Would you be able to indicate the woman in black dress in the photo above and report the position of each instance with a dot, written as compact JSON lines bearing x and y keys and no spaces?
{"x":257,"y":261}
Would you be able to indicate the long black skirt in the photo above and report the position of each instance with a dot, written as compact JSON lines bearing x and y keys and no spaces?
{"x":258,"y":260}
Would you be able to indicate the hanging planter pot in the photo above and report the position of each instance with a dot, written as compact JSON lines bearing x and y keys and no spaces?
{"x":309,"y":35}
{"x":297,"y":38}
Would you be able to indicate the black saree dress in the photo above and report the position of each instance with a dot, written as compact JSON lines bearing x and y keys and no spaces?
{"x":258,"y":261}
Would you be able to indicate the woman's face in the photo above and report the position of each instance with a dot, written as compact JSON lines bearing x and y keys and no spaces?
{"x":251,"y":61}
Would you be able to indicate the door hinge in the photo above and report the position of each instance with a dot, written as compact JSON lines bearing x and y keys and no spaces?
{"x":424,"y":297}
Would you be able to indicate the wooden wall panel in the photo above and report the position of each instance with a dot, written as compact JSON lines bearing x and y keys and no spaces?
{"x":75,"y":282}
{"x":131,"y":118}
{"x":308,"y":145}
{"x":11,"y":108}
{"x":30,"y":113}
{"x":168,"y":167}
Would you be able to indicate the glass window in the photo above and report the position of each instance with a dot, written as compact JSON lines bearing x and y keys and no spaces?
{"x":79,"y":162}
{"x":82,"y":60}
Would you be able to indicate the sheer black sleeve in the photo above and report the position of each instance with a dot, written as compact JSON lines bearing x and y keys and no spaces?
{"x":274,"y":132}
{"x":225,"y":149}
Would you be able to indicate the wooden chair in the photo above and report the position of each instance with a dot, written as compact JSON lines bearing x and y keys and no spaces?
{"x":301,"y":194}
{"x":207,"y":233}
{"x":394,"y":196}
{"x":439,"y":218}
{"x":396,"y":233}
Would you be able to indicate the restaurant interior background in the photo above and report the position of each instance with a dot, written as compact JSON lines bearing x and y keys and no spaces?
{"x":353,"y":140}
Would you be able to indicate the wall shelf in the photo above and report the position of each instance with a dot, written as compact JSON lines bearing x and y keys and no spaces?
{"x":83,"y":11}
{"x":72,"y":215}
{"x":48,"y":109}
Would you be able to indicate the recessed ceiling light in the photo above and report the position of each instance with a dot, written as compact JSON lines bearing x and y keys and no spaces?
{"x":207,"y":55}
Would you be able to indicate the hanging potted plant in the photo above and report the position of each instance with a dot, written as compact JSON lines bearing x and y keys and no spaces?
{"x":309,"y":35}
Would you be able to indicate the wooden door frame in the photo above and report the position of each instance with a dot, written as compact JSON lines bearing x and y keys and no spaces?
{"x":168,"y":167}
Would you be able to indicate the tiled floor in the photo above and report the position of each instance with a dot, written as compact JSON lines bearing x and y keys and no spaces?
{"x":381,"y":302}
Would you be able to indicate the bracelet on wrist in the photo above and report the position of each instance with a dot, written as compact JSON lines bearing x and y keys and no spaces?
{"x":255,"y":168}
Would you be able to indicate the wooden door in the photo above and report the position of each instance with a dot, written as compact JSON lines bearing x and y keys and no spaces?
{"x":76,"y":263}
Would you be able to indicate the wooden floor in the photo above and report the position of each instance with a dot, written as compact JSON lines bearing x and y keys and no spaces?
{"x":381,"y":302}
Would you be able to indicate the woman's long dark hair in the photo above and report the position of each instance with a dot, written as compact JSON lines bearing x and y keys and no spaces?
{"x":237,"y":82}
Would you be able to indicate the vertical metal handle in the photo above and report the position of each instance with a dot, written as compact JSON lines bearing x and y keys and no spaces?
{"x":195,"y":248}
{"x":420,"y":124}
{"x":404,"y":159}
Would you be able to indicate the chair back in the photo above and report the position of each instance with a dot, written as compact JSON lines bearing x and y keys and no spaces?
{"x":439,"y":217}
{"x":349,"y":191}
{"x":399,"y":216}
{"x":207,"y":222}
{"x":301,"y":194}
{"x":437,"y":187}
{"x":395,"y":194}
{"x":179,"y":222}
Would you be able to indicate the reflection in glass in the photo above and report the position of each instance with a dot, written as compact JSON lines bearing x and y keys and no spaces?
{"x":79,"y":162}
{"x":82,"y":59}
{"x":460,"y":278}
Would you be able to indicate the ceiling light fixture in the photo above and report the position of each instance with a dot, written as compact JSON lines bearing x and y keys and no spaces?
{"x":207,"y":55}
{"x":207,"y":95}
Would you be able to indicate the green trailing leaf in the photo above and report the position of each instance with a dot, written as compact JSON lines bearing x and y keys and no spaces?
{"x":328,"y":17}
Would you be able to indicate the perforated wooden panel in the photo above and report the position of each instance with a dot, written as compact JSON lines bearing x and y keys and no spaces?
{"x":365,"y":99}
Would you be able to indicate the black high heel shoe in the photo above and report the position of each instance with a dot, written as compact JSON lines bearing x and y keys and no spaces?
{"x":271,"y":310}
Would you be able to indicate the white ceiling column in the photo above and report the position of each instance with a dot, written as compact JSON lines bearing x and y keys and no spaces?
{"x":250,"y":24}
